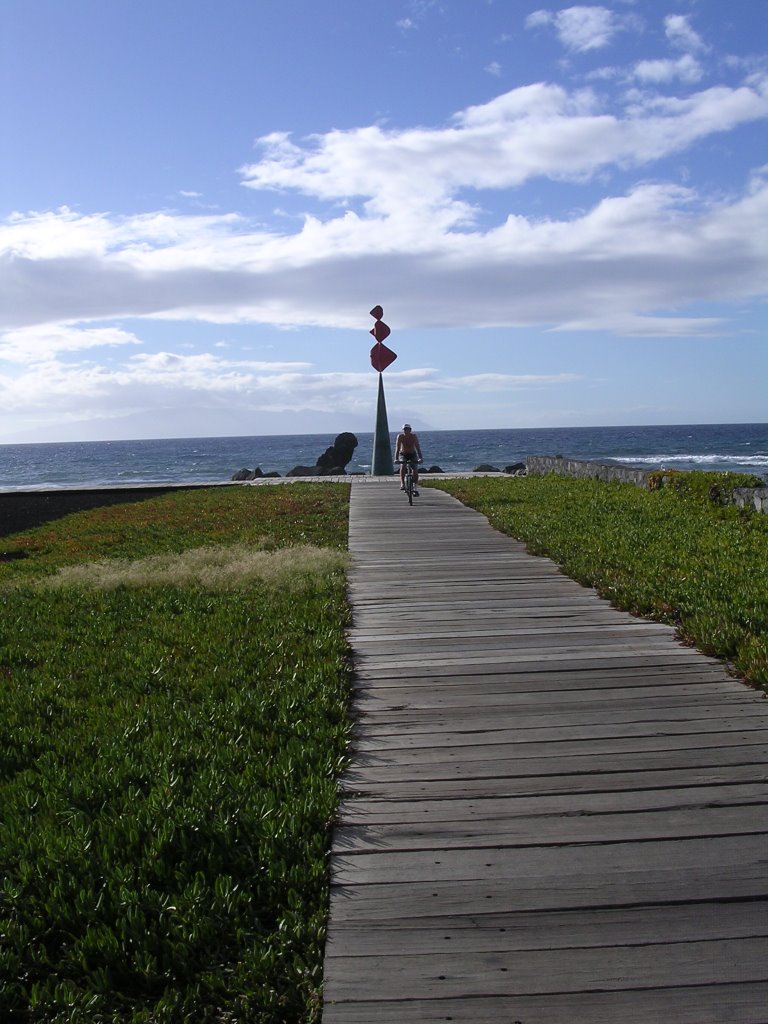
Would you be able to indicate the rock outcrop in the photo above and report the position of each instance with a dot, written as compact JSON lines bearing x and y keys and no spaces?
{"x":339,"y":454}
{"x":332,"y":462}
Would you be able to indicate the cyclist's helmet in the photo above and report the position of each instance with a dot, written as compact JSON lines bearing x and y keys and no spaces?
{"x":406,"y":426}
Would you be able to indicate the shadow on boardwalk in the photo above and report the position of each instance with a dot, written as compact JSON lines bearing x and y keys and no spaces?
{"x":554,"y":811}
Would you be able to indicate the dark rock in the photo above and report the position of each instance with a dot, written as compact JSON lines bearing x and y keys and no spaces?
{"x":273,"y":473}
{"x":331,"y":463}
{"x":339,"y":454}
{"x":432,"y":469}
{"x":485,"y":468}
{"x":516,"y":469}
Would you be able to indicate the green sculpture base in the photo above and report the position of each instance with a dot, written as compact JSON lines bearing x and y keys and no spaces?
{"x":382,"y":464}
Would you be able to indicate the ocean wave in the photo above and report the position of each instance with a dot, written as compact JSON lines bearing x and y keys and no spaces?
{"x":708,"y":460}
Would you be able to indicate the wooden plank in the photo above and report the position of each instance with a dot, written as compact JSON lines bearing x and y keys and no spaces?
{"x":742,"y":1003}
{"x":519,"y":704}
{"x":573,"y":929}
{"x":471,"y":897}
{"x":566,"y":828}
{"x":531,"y":660}
{"x":565,"y":678}
{"x":411,"y":779}
{"x":575,"y":725}
{"x":591,"y":743}
{"x":574,"y":782}
{"x":445,"y":973}
{"x":717,"y":856}
{"x":365,"y":811}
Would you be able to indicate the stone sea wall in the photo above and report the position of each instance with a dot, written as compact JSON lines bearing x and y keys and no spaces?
{"x":540,"y":465}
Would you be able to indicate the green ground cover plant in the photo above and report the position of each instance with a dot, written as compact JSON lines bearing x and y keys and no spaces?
{"x":677,"y":554}
{"x":172,"y":728}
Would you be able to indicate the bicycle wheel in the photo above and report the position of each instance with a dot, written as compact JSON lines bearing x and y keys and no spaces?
{"x":409,"y":482}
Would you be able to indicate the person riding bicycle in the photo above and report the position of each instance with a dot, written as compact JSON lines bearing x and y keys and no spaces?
{"x":407,"y":450}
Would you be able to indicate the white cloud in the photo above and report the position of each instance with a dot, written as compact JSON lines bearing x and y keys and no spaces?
{"x":686,"y":68}
{"x":183,"y":391}
{"x":494,"y":68}
{"x":539,"y":18}
{"x":45,"y":342}
{"x":681,"y":35}
{"x":536,"y":130}
{"x":578,"y":28}
{"x":650,"y":248}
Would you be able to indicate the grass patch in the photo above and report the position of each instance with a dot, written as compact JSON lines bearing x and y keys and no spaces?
{"x":171,"y":733}
{"x":222,"y":567}
{"x":674,"y":554}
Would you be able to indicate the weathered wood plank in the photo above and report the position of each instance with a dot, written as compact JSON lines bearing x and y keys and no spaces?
{"x":555,"y":929}
{"x":564,"y":829}
{"x":440,"y":973}
{"x":742,"y":1003}
{"x":562,"y":679}
{"x":578,"y":725}
{"x":522,"y":703}
{"x":374,"y":903}
{"x":592,"y":744}
{"x":359,"y":810}
{"x":575,"y":782}
{"x":718,"y":857}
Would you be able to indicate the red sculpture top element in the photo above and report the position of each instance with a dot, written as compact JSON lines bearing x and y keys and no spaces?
{"x":380,"y":331}
{"x":381,"y":357}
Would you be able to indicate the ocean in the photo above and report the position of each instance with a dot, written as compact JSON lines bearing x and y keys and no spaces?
{"x":722,"y":447}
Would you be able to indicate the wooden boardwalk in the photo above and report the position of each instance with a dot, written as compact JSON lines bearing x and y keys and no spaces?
{"x":554,"y":814}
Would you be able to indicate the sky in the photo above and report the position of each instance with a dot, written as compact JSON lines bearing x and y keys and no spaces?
{"x":563,"y":211}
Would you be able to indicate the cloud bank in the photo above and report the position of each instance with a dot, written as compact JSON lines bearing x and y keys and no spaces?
{"x":665,"y":246}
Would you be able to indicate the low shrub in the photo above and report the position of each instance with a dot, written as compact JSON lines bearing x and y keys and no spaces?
{"x":169,"y":755}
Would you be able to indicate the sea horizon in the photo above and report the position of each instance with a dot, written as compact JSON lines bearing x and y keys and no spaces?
{"x":39,"y":465}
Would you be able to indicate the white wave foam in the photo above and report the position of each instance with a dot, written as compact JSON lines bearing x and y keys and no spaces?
{"x":741,"y":460}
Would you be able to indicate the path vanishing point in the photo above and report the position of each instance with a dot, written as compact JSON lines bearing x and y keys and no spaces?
{"x":554,"y":813}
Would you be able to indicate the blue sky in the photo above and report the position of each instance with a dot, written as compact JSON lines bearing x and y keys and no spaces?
{"x":562,"y":209}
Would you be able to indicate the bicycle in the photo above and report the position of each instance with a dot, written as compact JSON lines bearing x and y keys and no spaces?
{"x":410,"y":487}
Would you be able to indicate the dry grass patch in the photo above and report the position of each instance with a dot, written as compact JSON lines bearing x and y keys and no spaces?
{"x":212,"y":568}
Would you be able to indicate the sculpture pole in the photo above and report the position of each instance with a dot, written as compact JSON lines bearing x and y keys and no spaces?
{"x":382,"y":464}
{"x":381,"y":357}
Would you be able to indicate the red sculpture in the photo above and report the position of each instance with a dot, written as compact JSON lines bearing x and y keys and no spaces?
{"x":381,"y":356}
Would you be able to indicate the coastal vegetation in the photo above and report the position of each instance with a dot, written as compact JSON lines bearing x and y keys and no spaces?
{"x":678,"y":554}
{"x":173,"y":721}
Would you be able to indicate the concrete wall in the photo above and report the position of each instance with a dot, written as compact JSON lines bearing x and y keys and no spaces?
{"x":21,"y":510}
{"x":755,"y":496}
{"x":540,"y":465}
